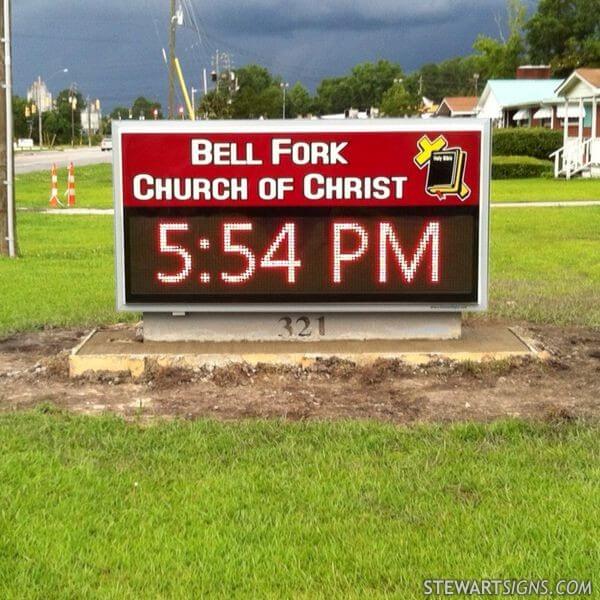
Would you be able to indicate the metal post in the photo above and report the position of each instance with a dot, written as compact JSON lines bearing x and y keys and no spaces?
{"x":73,"y":121}
{"x":186,"y":96}
{"x":10,"y":243}
{"x":172,"y":42}
{"x":284,"y":86}
{"x":89,"y":115}
{"x":39,"y":101}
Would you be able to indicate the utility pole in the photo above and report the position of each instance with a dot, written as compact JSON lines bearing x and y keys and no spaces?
{"x":8,"y":241}
{"x":172,"y":41}
{"x":217,"y":70}
{"x":222,"y":68}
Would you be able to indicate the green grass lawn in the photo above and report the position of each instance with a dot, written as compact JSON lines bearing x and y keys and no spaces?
{"x":545,"y":265}
{"x":94,"y":188}
{"x":65,"y":276}
{"x":95,"y":507}
{"x":544,"y":268}
{"x":545,"y":190}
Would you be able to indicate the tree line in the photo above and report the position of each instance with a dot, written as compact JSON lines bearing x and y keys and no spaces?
{"x":562,"y":33}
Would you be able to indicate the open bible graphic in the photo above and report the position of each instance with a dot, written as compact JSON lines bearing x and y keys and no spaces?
{"x":446,"y":168}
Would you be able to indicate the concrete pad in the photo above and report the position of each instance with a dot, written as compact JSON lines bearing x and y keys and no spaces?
{"x":119,"y":351}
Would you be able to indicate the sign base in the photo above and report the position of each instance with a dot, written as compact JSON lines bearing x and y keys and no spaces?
{"x":253,"y":327}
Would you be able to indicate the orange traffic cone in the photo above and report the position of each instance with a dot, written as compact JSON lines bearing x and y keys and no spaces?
{"x":54,"y":201}
{"x":71,"y":186}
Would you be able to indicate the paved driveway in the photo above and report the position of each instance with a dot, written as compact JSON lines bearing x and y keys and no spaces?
{"x":26,"y":162}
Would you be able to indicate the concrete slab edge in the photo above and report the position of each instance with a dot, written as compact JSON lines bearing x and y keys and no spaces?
{"x":137,"y":364}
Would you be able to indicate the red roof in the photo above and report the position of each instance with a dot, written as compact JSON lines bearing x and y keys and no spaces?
{"x":461,"y":103}
{"x":592,"y":76}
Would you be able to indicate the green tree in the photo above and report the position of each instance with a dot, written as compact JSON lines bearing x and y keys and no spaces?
{"x":65,"y":119}
{"x":398,"y":102}
{"x":254,"y":79}
{"x":300,"y":100}
{"x":565,"y":34}
{"x":144,"y":107}
{"x":21,"y":123}
{"x":500,"y":58}
{"x":258,"y":94}
{"x":215,"y":105}
{"x":362,"y":88}
{"x":334,"y":95}
{"x":452,"y":77}
{"x":369,"y":81}
{"x":119,"y":113}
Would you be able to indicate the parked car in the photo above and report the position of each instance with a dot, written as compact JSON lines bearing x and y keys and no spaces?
{"x":106,"y":144}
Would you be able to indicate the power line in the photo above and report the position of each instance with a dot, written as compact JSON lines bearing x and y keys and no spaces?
{"x":62,"y":38}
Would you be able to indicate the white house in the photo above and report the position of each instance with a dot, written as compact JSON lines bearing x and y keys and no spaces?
{"x":579,"y":96}
{"x":516,"y":102}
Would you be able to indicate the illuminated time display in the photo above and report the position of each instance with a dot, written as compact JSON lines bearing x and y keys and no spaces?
{"x":388,"y":215}
{"x":308,"y":255}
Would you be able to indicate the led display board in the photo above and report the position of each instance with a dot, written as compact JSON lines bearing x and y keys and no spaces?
{"x":377,"y":215}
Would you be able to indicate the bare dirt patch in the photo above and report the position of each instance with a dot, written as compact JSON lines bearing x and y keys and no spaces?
{"x":33,"y":371}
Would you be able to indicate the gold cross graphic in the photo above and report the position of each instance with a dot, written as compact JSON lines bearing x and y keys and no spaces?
{"x":427,"y":148}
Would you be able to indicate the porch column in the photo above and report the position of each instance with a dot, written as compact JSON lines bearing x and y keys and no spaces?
{"x":594,"y":117}
{"x":580,"y":128}
{"x":566,"y":124}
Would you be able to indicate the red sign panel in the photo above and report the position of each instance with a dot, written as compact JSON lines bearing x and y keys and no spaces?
{"x":214,"y":214}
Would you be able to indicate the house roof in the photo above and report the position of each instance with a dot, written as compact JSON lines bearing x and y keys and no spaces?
{"x":460,"y":104}
{"x":519,"y":92}
{"x":589,"y":76}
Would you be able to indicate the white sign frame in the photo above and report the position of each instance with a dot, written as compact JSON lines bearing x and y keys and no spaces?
{"x":434,"y":125}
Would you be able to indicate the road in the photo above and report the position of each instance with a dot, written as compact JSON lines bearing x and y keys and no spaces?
{"x":26,"y":162}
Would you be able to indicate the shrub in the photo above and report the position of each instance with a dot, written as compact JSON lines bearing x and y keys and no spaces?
{"x":518,"y":167}
{"x":536,"y":142}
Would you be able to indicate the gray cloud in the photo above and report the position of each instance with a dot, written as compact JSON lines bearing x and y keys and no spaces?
{"x":114,"y":48}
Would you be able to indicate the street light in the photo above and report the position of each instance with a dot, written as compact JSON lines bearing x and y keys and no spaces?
{"x":73,"y":105}
{"x":284,"y":86}
{"x":194,"y":90}
{"x":39,"y":100}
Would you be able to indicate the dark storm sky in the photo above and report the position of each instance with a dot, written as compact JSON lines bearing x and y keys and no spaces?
{"x":113,"y":48}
